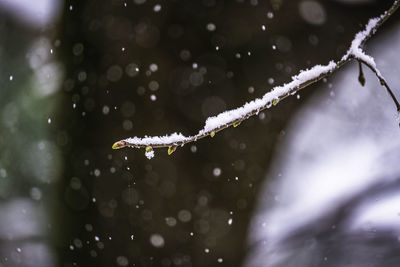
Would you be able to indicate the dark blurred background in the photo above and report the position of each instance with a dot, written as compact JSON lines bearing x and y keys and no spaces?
{"x":76,"y":76}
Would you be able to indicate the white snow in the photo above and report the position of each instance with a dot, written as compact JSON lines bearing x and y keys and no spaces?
{"x":355,"y":49}
{"x":157,"y":140}
{"x":149,"y":154}
{"x":213,"y":124}
{"x":227,"y":117}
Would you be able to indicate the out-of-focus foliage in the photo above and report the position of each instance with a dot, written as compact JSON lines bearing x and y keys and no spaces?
{"x":30,"y":159}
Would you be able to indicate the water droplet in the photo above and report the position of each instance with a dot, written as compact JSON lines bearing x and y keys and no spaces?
{"x":157,"y":8}
{"x":157,"y":240}
{"x":184,"y":216}
{"x":271,"y":81}
{"x":153,"y":85}
{"x":217,"y":172}
{"x":153,"y":67}
{"x":122,"y":261}
{"x":211,"y":27}
{"x":106,"y":110}
{"x":170,"y":221}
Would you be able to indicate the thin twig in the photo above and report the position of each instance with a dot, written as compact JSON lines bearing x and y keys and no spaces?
{"x":383,"y":82}
{"x":361,"y":77}
{"x":302,"y":80}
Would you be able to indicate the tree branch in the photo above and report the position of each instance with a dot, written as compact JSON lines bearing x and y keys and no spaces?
{"x":381,"y":80}
{"x":306,"y":77}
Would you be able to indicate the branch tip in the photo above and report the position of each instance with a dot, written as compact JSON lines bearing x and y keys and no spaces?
{"x":119,"y":145}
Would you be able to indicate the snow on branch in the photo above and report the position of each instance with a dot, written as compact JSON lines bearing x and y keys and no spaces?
{"x":234,"y":117}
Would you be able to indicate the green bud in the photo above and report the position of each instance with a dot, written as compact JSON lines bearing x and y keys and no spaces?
{"x":236,"y":124}
{"x":171,"y":150}
{"x":119,"y":144}
{"x":361,"y":79}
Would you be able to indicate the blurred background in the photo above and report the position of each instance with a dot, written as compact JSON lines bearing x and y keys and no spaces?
{"x":311,"y":182}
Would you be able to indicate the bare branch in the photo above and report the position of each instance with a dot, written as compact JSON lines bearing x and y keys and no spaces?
{"x":383,"y":82}
{"x":306,"y":77}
